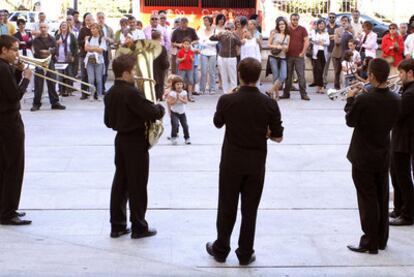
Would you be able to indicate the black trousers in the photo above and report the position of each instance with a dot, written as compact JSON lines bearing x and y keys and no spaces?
{"x":84,"y":76}
{"x":319,"y":66}
{"x":130,"y":183}
{"x":372,"y":192}
{"x":231,"y":186}
{"x":176,"y":120}
{"x":337,"y":69}
{"x":105,"y":75}
{"x":402,"y":183}
{"x":11,"y":166}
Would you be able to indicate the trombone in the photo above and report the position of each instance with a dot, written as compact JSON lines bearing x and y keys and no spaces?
{"x":44,"y":65}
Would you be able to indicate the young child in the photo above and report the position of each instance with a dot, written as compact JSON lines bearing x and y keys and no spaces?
{"x":356,"y":58}
{"x":349,"y":68}
{"x":185,"y":58}
{"x":362,"y":73}
{"x":177,"y":99}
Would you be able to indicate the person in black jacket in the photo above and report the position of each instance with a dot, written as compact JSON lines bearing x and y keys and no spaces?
{"x":11,"y":132}
{"x":127,"y":111}
{"x":372,"y":115}
{"x":84,"y":34}
{"x":160,"y":66}
{"x":250,"y":118}
{"x":402,"y":145}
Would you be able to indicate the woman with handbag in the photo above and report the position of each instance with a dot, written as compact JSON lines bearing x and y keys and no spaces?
{"x":94,"y":59}
{"x":392,"y":48}
{"x":67,"y":49}
{"x":320,"y":41}
{"x":279,"y":45}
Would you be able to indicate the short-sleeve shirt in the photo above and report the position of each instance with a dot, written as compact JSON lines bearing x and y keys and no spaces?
{"x":94,"y":41}
{"x":296,"y":40}
{"x":179,"y":34}
{"x":186,"y":64}
{"x":179,"y":107}
{"x":282,"y":40}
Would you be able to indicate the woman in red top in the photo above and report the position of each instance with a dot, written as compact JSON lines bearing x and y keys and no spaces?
{"x":392,"y":47}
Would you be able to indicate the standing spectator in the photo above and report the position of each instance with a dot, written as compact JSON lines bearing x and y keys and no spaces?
{"x":411,"y":25}
{"x":369,"y":43}
{"x":44,"y":46}
{"x":36,"y":27}
{"x":66,"y":52}
{"x":392,"y":48}
{"x":155,"y":26}
{"x":320,"y":41}
{"x":356,"y":25}
{"x":196,"y":62}
{"x":403,"y":30}
{"x":123,"y":23}
{"x":341,"y":38}
{"x":4,"y":30}
{"x":331,"y":27}
{"x":95,"y":46}
{"x":133,"y":32}
{"x":25,"y":38}
{"x":227,"y":56}
{"x":77,"y":23}
{"x":240,"y":30}
{"x":174,"y":50}
{"x":208,"y":56}
{"x":409,"y":47}
{"x":71,"y":22}
{"x":177,"y":37}
{"x":299,"y":42}
{"x":220,"y":23}
{"x":279,"y":45}
{"x":160,"y":66}
{"x":251,"y":44}
{"x":177,"y":99}
{"x":108,"y":36}
{"x":84,"y":32}
{"x":185,"y":59}
{"x":10,"y":27}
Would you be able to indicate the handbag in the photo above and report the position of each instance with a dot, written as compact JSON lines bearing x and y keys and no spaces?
{"x":275,"y":51}
{"x":92,"y":59}
{"x":69,"y":58}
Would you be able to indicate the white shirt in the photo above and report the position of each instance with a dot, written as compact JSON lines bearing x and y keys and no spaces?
{"x":94,"y":41}
{"x":250,"y":49}
{"x":316,"y":37}
{"x":409,"y":46}
{"x":357,"y":29}
{"x":208,"y":47}
{"x":61,"y":52}
{"x":370,"y":44}
{"x":178,"y":107}
{"x":356,"y":58}
{"x":135,"y":35}
{"x":350,"y":67}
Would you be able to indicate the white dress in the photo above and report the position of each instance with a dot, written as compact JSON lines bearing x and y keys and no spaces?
{"x":250,"y":49}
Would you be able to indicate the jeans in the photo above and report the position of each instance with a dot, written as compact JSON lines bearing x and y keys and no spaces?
{"x":187,"y":76}
{"x":51,"y":87}
{"x":279,"y":69}
{"x":208,"y":65}
{"x":95,"y":74}
{"x":297,"y":64}
{"x":195,"y":74}
{"x":84,"y":74}
{"x":182,"y":119}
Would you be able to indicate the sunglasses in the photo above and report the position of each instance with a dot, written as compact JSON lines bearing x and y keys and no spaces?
{"x":332,"y":17}
{"x":154,"y":18}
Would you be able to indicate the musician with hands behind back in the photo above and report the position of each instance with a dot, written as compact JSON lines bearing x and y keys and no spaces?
{"x":12,"y":89}
{"x":372,"y":115}
{"x":127,"y":112}
{"x":248,"y":115}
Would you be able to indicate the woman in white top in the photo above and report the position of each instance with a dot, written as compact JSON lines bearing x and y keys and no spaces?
{"x":369,"y":43}
{"x":320,"y":42}
{"x":94,"y":59}
{"x":251,"y":42}
{"x":208,"y":56}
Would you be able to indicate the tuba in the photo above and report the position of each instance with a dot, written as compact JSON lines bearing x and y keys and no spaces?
{"x":146,"y":51}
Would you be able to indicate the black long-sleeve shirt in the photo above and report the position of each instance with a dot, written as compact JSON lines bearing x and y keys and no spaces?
{"x":10,"y":91}
{"x":127,"y":110}
{"x":83,"y":33}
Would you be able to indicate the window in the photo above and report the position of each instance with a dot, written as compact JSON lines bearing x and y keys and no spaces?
{"x":171,"y":3}
{"x":233,"y":4}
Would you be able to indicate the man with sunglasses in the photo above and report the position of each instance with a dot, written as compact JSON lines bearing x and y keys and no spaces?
{"x":330,"y":28}
{"x":155,"y":26}
{"x":11,"y":132}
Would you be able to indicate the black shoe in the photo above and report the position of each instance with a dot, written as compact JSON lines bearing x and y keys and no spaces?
{"x":284,"y":96}
{"x":151,"y":232}
{"x":312,"y":85}
{"x":58,"y":106}
{"x":210,"y":251}
{"x":35,"y":108}
{"x":401,"y":221}
{"x":252,"y":259}
{"x":84,"y":97}
{"x":394,"y":214}
{"x":360,"y":249}
{"x":117,"y":234}
{"x":20,"y":214}
{"x":95,"y":96}
{"x":16,"y":221}
{"x":196,"y":93}
{"x":305,"y":97}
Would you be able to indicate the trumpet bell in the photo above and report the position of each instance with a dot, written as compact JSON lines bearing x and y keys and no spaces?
{"x":332,"y":93}
{"x":36,"y":62}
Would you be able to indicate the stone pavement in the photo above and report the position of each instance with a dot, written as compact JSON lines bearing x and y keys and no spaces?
{"x":307,"y":215}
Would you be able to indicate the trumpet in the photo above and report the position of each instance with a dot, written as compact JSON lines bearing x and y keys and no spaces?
{"x":26,"y":62}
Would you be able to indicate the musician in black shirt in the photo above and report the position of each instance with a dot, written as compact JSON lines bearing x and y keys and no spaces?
{"x":250,"y":118}
{"x":127,"y":111}
{"x":11,"y":132}
{"x":372,"y":115}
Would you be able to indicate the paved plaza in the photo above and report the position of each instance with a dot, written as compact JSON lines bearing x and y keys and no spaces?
{"x":307,"y":216}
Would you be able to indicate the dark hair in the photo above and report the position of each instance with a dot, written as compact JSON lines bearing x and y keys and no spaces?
{"x":393,"y":25}
{"x":131,"y":17}
{"x":175,"y":81}
{"x":352,"y":41}
{"x":355,"y":11}
{"x":345,"y":17}
{"x":295,"y":14}
{"x":210,"y":19}
{"x":406,"y":65}
{"x":380,"y":69}
{"x":320,"y":21}
{"x":7,"y":41}
{"x":278,"y":20}
{"x":219,"y":17}
{"x":348,"y":55}
{"x":368,"y":25}
{"x":249,"y":70}
{"x":411,"y":20}
{"x":155,"y":34}
{"x":124,"y":63}
{"x":75,"y":12}
{"x":253,"y":17}
{"x":20,"y":20}
{"x":186,"y":39}
{"x":243,"y":20}
{"x":367,"y":60}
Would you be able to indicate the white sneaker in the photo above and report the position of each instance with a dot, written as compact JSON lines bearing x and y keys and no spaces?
{"x":91,"y":98}
{"x":187,"y":141}
{"x":99,"y":99}
{"x":174,"y":141}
